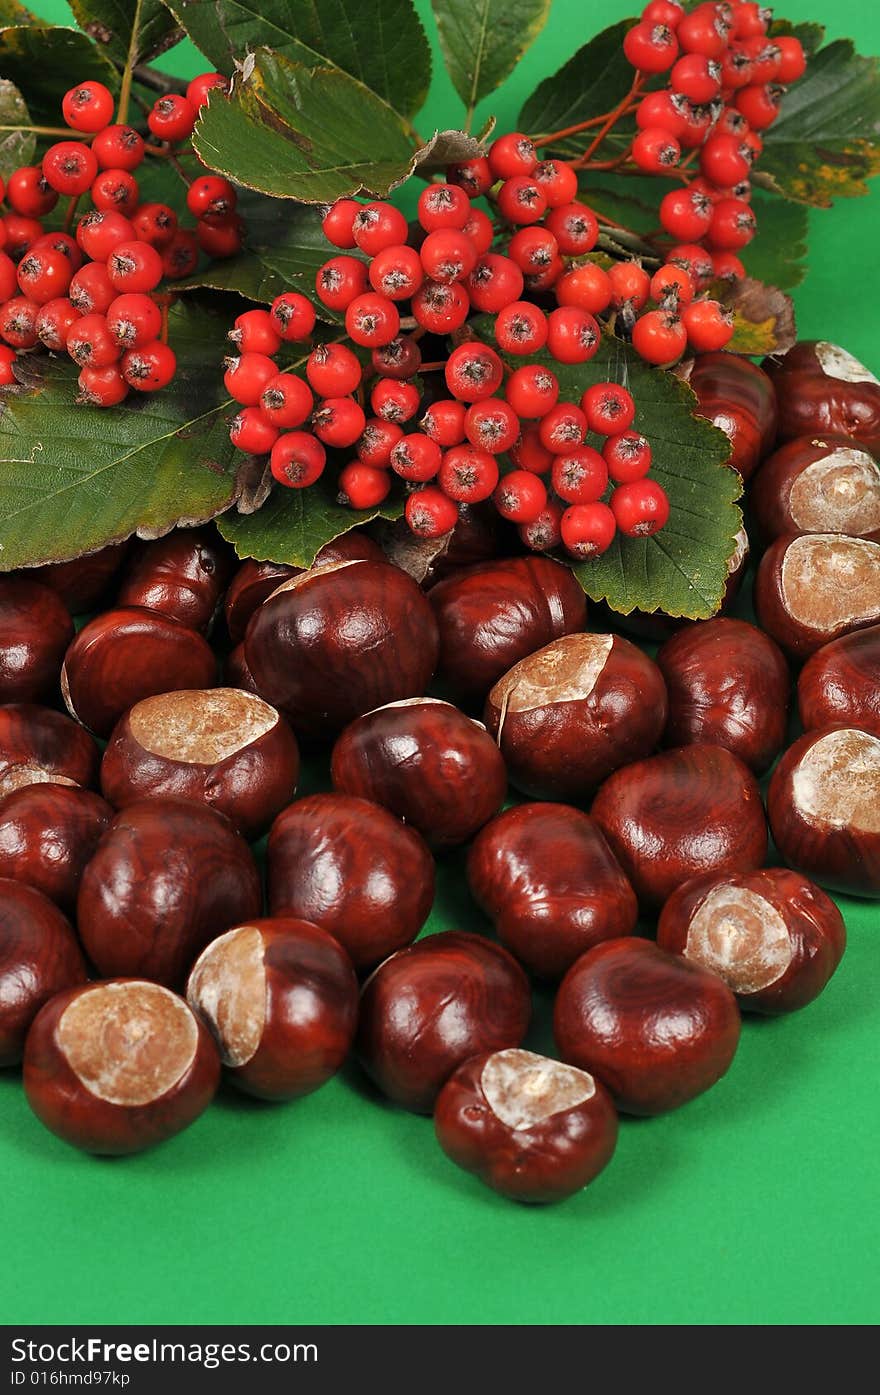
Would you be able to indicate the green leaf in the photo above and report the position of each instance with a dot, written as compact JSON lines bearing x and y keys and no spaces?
{"x":113,"y":24}
{"x":380,"y":43}
{"x":594,"y":81}
{"x":483,"y":40}
{"x":43,"y":60}
{"x":810,"y":35}
{"x":308,"y":134}
{"x":778,"y":253}
{"x":294,"y":524}
{"x":826,"y":141}
{"x":75,"y":478}
{"x":17,"y":143}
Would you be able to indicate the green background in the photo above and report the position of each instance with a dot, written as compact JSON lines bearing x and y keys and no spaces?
{"x":755,"y":1204}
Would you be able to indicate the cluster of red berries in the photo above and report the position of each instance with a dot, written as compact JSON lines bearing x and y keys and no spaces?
{"x":90,"y":291}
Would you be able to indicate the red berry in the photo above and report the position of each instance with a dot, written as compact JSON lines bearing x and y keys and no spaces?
{"x":297,"y":459}
{"x":362,"y":486}
{"x":473,"y":371}
{"x":254,"y":332}
{"x":430,"y":513}
{"x":98,"y":234}
{"x":88,"y":107}
{"x":91,"y":290}
{"x":575,"y":228}
{"x":60,"y":242}
{"x":372,"y":320}
{"x":521,"y":200}
{"x":640,"y":508}
{"x":736,"y":68}
{"x":792,"y":61}
{"x":396,"y":272}
{"x":378,"y":225}
{"x":580,"y":476}
{"x":492,"y":425}
{"x":247,"y":375}
{"x":587,"y":530}
{"x":286,"y":401}
{"x":765,"y":59}
{"x":630,"y":284}
{"x":118,"y":148}
{"x":726,"y":266}
{"x":181,"y":257}
{"x":520,"y":496}
{"x":533,"y":249}
{"x":448,"y":255}
{"x":339,"y":281}
{"x":444,"y":422}
{"x":531,"y":391}
{"x":8,"y":279}
{"x":54,"y":322}
{"x":651,"y":48}
{"x":220,"y":234}
{"x":545,"y":280}
{"x":573,"y":335}
{"x":672,"y":287}
{"x":696,"y":77}
{"x":750,"y":20}
{"x":685,"y":215}
{"x":21,"y":234}
{"x":333,"y":370}
{"x":89,"y":342}
{"x":693,"y":259}
{"x":495,"y":281}
{"x":155,"y":223}
{"x":416,"y":458}
{"x":609,"y":408}
{"x":655,"y":150}
{"x":399,"y":359}
{"x":134,"y":320}
{"x":709,"y":325}
{"x":557,"y":182}
{"x":628,"y":456}
{"x":588,"y":287}
{"x":253,"y":432}
{"x":758,"y":104}
{"x":393,"y":400}
{"x":338,"y":421}
{"x":102,"y":387}
{"x":725,"y":160}
{"x":659,"y":337}
{"x":338,"y":223}
{"x":521,"y":328}
{"x":480,"y":231}
{"x":43,"y":275}
{"x":210,"y":195}
{"x":29,"y":193}
{"x":544,"y":532}
{"x":563,"y":428}
{"x":528,"y":454}
{"x":468,"y":474}
{"x":473,"y":176}
{"x":293,"y":316}
{"x":115,"y":189}
{"x":199,"y":89}
{"x":134,"y":266}
{"x":172,"y":117}
{"x":150,"y":367}
{"x":377,"y":441}
{"x":733,"y":225}
{"x":440,"y":309}
{"x":18,"y":322}
{"x":667,"y":12}
{"x":662,"y":110}
{"x":511,"y":155}
{"x":69,"y":167}
{"x":703,"y":31}
{"x":443,"y":206}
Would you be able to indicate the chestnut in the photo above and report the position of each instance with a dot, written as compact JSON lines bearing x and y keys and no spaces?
{"x":281,"y":1000}
{"x":695,"y":809}
{"x":728,"y":685}
{"x":39,"y":957}
{"x":824,"y":807}
{"x":35,"y":630}
{"x":38,"y":746}
{"x":431,"y":1007}
{"x":476,"y":537}
{"x":125,"y":655}
{"x":352,"y":868}
{"x":182,"y":575}
{"x":772,"y":935}
{"x":839,"y":685}
{"x":817,"y":485}
{"x":428,"y":763}
{"x":252,"y":584}
{"x":814,"y":587}
{"x":531,"y":1128}
{"x":568,"y":715}
{"x":821,"y":387}
{"x":83,"y":582}
{"x":167,"y":877}
{"x":47,"y":835}
{"x":236,"y":671}
{"x":656,"y":1029}
{"x":738,"y":397}
{"x":221,"y":747}
{"x":340,"y":640}
{"x":551,"y":884}
{"x":113,"y":1068}
{"x":492,"y":615}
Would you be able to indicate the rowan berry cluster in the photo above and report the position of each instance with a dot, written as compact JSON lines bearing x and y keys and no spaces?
{"x":88,"y":288}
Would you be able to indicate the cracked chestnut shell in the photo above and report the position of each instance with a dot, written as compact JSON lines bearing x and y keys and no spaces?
{"x":815,"y":587}
{"x":430,"y":1007}
{"x":656,"y":1029}
{"x":568,"y":715}
{"x":168,"y":876}
{"x":47,"y":835}
{"x":531,"y":1128}
{"x":815,"y":484}
{"x":35,"y":630}
{"x":728,"y":685}
{"x":428,"y":763}
{"x":820,"y":388}
{"x":551,"y":885}
{"x":182,"y":575}
{"x":340,"y":640}
{"x":125,"y":655}
{"x":83,"y":582}
{"x":280,"y":998}
{"x":738,"y":397}
{"x":772,"y":935}
{"x":39,"y":746}
{"x":39,"y":957}
{"x":839,"y":685}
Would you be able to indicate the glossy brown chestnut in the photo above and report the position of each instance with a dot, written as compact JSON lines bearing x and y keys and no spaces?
{"x":431,"y":1007}
{"x":568,"y":715}
{"x":671,"y":817}
{"x":236,"y":671}
{"x":35,"y":630}
{"x":116,"y":1067}
{"x":38,"y":745}
{"x":281,"y":1000}
{"x":220,"y":747}
{"x":817,"y":485}
{"x":491,"y":616}
{"x":340,"y":640}
{"x":39,"y":957}
{"x":656,"y":1029}
{"x":83,"y":582}
{"x":815,"y":587}
{"x":820,"y":387}
{"x":47,"y":835}
{"x":125,"y":655}
{"x":824,"y":807}
{"x":168,"y":876}
{"x":428,"y":763}
{"x":738,"y":397}
{"x":355,"y":870}
{"x":728,"y":685}
{"x":772,"y":935}
{"x":182,"y":575}
{"x":551,"y":884}
{"x":531,"y":1128}
{"x":839,"y":685}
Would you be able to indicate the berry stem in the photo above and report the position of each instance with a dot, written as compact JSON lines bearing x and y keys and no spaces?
{"x":50,"y":131}
{"x":610,"y":121}
{"x":566,"y":131}
{"x":128,"y":71}
{"x":158,"y":82}
{"x":436,"y":367}
{"x":71,"y":211}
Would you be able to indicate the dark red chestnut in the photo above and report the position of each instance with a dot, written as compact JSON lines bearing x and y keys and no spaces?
{"x":839,"y":685}
{"x":182,"y":575}
{"x":355,"y":870}
{"x":813,"y":588}
{"x":491,"y":616}
{"x":35,"y":630}
{"x":83,"y":582}
{"x":671,"y":817}
{"x":125,"y":655}
{"x":281,"y":1000}
{"x":340,"y":640}
{"x":728,"y":685}
{"x":531,"y":1128}
{"x":236,"y":671}
{"x":772,"y":935}
{"x":817,"y":485}
{"x":39,"y":956}
{"x":824,"y":807}
{"x":221,"y":747}
{"x":821,"y":388}
{"x":568,"y":715}
{"x":738,"y":397}
{"x":38,"y":746}
{"x":48,"y":832}
{"x":656,"y":1029}
{"x":551,"y":884}
{"x":428,"y":763}
{"x":116,"y":1067}
{"x":168,"y":876}
{"x":431,"y":1007}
